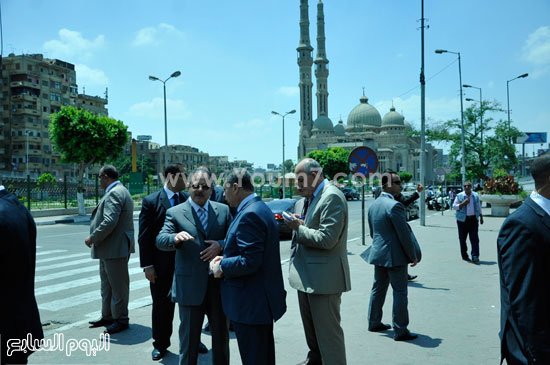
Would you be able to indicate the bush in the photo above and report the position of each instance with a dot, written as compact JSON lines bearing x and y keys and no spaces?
{"x":501,"y":185}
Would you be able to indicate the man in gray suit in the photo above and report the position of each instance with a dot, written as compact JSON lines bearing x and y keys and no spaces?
{"x":392,"y":249}
{"x":196,"y":229}
{"x":319,"y":268}
{"x":112,"y":241}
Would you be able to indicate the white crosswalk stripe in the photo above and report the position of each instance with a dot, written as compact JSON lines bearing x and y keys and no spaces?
{"x":76,"y":262}
{"x":49,"y":252}
{"x":59,"y":304}
{"x":59,"y":258}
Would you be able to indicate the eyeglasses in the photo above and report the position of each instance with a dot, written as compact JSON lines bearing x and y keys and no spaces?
{"x":200,"y":186}
{"x":398,"y":182}
{"x":102,"y":176}
{"x":467,"y":186}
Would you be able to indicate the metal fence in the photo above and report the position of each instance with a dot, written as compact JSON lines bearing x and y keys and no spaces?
{"x":63,"y":193}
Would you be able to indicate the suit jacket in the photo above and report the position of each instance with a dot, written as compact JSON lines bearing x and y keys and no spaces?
{"x":253,"y":289}
{"x":393,"y":242}
{"x":319,"y":263}
{"x":151,"y":220}
{"x":112,"y":225}
{"x":18,"y":310}
{"x":191,"y":273}
{"x":523,"y":260}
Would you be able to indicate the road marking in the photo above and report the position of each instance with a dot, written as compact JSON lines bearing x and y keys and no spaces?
{"x":134,"y":304}
{"x":50,"y":252}
{"x":76,"y":262}
{"x":64,"y":234}
{"x":66,"y":273}
{"x":63,"y":257}
{"x":76,"y":283}
{"x":57,"y":305}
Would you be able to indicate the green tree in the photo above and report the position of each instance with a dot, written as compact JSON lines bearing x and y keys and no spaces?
{"x":405,"y":176}
{"x":289,"y":166}
{"x":84,"y":139}
{"x":495,"y":151}
{"x":45,"y":180}
{"x":123,"y":163}
{"x":333,"y":160}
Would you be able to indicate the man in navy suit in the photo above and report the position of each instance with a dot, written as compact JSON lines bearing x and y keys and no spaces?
{"x":523,"y":260}
{"x":19,"y":315}
{"x":159,"y":265}
{"x":253,"y":294}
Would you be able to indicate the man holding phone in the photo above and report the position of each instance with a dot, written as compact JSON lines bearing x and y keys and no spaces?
{"x":468,"y":211}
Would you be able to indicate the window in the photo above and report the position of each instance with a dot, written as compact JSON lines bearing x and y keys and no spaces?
{"x":45,"y":83}
{"x":65,"y":101}
{"x":45,"y":96}
{"x":45,"y":109}
{"x":29,"y":67}
{"x":74,"y":89}
{"x":55,"y":97}
{"x":17,"y":66}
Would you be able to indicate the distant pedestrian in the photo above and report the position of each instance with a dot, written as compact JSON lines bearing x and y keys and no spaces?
{"x":393,"y":248}
{"x":523,"y":261}
{"x":468,"y":218}
{"x":112,"y":241}
{"x":19,"y":315}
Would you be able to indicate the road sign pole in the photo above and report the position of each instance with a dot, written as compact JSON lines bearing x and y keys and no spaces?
{"x":363,"y":215}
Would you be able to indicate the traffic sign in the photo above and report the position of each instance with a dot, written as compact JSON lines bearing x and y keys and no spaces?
{"x":363,"y":160}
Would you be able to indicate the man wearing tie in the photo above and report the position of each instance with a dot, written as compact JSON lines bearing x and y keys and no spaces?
{"x":159,"y":265}
{"x":195,"y":230}
{"x":253,"y":293}
{"x":319,"y":268}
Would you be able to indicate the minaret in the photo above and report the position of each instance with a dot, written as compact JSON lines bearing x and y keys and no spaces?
{"x":305,"y":61}
{"x":321,"y":64}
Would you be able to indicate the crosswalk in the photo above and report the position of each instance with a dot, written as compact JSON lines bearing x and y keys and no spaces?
{"x":67,"y":287}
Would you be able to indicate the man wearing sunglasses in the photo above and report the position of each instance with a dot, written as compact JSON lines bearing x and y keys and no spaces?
{"x":468,"y":218}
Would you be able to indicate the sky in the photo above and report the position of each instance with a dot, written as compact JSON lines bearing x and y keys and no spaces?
{"x":238,"y":62}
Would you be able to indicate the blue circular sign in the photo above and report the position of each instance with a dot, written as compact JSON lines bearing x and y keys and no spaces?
{"x":363,"y":160}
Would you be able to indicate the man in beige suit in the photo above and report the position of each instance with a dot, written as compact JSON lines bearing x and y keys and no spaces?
{"x":112,"y":241}
{"x":319,"y":267}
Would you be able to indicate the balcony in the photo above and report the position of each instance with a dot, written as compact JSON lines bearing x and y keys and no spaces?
{"x":24,"y":97}
{"x":24,"y":83}
{"x":24,"y":110}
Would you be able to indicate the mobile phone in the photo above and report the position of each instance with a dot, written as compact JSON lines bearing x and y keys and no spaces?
{"x":288,"y":216}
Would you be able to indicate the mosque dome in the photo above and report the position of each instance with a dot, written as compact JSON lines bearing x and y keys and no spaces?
{"x":323,"y":123}
{"x":364,"y":114}
{"x":339,"y":129}
{"x":408,"y":126}
{"x":393,"y":118}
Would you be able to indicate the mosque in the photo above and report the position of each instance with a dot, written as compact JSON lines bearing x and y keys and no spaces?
{"x":365,"y":126}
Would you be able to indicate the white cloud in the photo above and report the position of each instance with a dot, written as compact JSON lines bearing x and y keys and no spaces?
{"x":89,"y":76}
{"x":154,"y":109}
{"x":288,"y":91}
{"x":152,"y":35}
{"x":537,"y":51}
{"x":72,"y":44}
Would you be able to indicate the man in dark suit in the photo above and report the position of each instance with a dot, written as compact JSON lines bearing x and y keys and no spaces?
{"x":159,"y":265}
{"x":319,"y":268}
{"x":195,"y":230}
{"x":393,"y":247}
{"x":18,"y":311}
{"x":112,"y":241}
{"x":523,"y":260}
{"x":253,"y":294}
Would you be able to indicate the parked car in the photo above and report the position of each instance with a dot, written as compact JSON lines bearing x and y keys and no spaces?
{"x":411,"y":211}
{"x":351,"y":193}
{"x":278,"y":207}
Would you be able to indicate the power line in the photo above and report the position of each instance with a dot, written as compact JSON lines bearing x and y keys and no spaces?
{"x":431,"y":77}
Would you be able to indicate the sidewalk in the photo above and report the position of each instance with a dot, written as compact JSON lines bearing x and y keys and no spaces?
{"x":67,"y":219}
{"x":454,"y":306}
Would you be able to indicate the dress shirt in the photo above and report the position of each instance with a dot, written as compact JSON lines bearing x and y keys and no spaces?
{"x":319,"y":188}
{"x":111,"y":186}
{"x":196,"y":207}
{"x":171,"y":194}
{"x":470,"y":209}
{"x":245,"y":200}
{"x":388,"y":195}
{"x":541,"y":201}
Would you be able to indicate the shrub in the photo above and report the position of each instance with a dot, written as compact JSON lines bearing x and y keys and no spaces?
{"x":501,"y":185}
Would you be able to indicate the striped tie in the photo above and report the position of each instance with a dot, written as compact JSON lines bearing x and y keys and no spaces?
{"x":203,"y":218}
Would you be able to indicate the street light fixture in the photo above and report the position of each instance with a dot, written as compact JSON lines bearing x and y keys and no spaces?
{"x":508,"y":95}
{"x":283,"y":168}
{"x":463,"y":150}
{"x":27,"y":132}
{"x":154,"y":78}
{"x":480,"y":115}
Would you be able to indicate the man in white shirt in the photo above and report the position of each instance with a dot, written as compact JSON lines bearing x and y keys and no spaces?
{"x":468,"y":211}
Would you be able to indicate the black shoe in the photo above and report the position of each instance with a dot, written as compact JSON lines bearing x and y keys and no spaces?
{"x":309,"y":362}
{"x":158,"y":354}
{"x":231,"y":327}
{"x":406,"y":337}
{"x":116,"y":327}
{"x":100,"y":323}
{"x":379,"y":328}
{"x":412,"y":277}
{"x":466,"y":259}
{"x":475,"y":260}
{"x":202,"y":349}
{"x":207,"y":327}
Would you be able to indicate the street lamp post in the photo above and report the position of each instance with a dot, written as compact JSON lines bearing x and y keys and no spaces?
{"x":480,"y":116}
{"x":463,"y":150}
{"x":508,"y":93}
{"x":283,"y":166}
{"x":27,"y":132}
{"x":154,"y":78}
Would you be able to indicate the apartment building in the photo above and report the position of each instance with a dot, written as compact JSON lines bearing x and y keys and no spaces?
{"x":32,"y":88}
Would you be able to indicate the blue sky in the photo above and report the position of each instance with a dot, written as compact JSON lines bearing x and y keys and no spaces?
{"x":238,"y":62}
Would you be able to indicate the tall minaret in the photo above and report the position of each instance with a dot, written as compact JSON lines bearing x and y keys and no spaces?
{"x":305,"y":61}
{"x":321,"y":63}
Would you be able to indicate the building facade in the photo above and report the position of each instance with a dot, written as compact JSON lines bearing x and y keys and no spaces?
{"x":32,"y":88}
